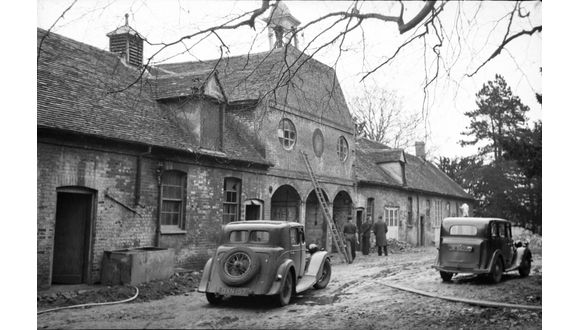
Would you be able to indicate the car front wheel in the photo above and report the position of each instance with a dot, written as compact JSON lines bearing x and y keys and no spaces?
{"x":445,"y":276}
{"x":496,"y":271}
{"x":525,"y":267}
{"x":286,"y":290}
{"x":325,"y":276}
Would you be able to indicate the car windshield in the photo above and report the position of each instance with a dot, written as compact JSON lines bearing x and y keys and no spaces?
{"x":463,"y":230}
{"x":244,"y":236}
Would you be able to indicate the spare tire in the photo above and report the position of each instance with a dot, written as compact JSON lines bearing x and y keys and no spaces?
{"x":238,"y":266}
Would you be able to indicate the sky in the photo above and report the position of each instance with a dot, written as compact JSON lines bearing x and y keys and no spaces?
{"x":448,"y":98}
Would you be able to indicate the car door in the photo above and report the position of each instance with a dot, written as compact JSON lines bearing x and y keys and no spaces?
{"x":507,"y":247}
{"x":295,"y":250}
{"x":494,"y":239}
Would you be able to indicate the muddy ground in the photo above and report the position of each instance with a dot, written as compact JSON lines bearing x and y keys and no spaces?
{"x":356,"y":297}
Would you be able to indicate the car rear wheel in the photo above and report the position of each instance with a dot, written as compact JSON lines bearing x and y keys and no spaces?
{"x":325,"y":276}
{"x":214,"y":298}
{"x":285,"y":293}
{"x":445,"y":276}
{"x":525,"y":267}
{"x":238,"y":266}
{"x":496,"y":271}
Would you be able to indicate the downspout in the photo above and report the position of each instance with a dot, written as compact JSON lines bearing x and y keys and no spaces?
{"x":159,"y":172}
{"x":419,"y":224}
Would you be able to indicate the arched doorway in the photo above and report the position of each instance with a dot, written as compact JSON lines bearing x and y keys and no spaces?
{"x":315,"y":225}
{"x":341,"y":209}
{"x":285,"y":204}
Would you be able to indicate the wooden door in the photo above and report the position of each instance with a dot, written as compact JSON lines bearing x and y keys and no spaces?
{"x":71,"y":240}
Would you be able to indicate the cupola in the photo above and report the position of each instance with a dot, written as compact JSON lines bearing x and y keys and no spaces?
{"x":282,"y":27}
{"x":127,"y":43}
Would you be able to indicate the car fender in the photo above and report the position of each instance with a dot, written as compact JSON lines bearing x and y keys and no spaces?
{"x":521,"y":254}
{"x":279,"y":276}
{"x":316,"y":262}
{"x":496,"y":254}
{"x":205,"y":277}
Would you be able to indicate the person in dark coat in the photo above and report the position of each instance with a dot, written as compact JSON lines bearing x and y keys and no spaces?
{"x":366,"y":236}
{"x":350,"y":234}
{"x":380,"y":229}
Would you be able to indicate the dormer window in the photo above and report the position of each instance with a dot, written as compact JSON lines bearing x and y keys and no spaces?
{"x":342,"y":148}
{"x":287,"y":133}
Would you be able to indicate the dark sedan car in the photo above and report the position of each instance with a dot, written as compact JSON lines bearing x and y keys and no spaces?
{"x":480,"y":246}
{"x":264,"y":258}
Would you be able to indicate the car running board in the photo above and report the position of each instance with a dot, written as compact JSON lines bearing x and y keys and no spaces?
{"x":305,"y":283}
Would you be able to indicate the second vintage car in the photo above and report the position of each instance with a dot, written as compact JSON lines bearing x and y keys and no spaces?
{"x":480,"y":246}
{"x":264,"y":257}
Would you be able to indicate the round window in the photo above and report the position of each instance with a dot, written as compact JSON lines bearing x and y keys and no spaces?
{"x":342,"y":148}
{"x":318,"y":142}
{"x":287,"y":133}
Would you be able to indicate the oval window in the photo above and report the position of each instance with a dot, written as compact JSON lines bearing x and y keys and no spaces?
{"x":287,"y":133}
{"x":318,"y":142}
{"x":342,"y":148}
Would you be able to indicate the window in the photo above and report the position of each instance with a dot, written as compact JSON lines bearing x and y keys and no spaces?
{"x":438,"y":213}
{"x":287,"y":133}
{"x":410,"y":210}
{"x":259,"y":236}
{"x":318,"y":142}
{"x":342,"y":148}
{"x":173,"y":199}
{"x":447,"y":210}
{"x":428,"y":213}
{"x":239,"y":236}
{"x":371,"y":209}
{"x":392,"y":216}
{"x":501,"y":230}
{"x":232,"y":188}
{"x":494,"y":230}
{"x":463,"y":230}
{"x":294,"y":236}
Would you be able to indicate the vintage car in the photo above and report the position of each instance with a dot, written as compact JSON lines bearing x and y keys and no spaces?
{"x":264,"y":258}
{"x":480,"y":246}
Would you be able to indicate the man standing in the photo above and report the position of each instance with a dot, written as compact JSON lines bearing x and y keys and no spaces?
{"x":350,"y":233}
{"x":380,"y":229}
{"x":366,"y":236}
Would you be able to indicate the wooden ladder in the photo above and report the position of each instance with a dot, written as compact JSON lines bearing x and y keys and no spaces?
{"x":337,"y":237}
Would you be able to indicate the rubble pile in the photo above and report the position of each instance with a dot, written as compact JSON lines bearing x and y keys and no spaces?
{"x":177,"y":284}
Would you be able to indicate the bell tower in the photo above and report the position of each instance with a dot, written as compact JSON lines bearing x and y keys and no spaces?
{"x":127,"y":43}
{"x":282,"y":27}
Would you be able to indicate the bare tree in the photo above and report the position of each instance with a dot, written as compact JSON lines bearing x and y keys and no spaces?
{"x":443,"y":41}
{"x":380,"y":117}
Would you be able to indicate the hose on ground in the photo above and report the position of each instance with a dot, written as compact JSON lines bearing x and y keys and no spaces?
{"x":92,"y":304}
{"x":463,"y":300}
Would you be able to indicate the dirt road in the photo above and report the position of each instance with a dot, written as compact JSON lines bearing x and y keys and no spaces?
{"x":355,"y":298}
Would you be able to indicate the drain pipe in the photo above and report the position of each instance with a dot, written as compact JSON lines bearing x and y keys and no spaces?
{"x":92,"y":304}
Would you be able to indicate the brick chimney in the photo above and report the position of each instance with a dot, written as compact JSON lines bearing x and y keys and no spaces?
{"x":127,"y":43}
{"x":420,"y":149}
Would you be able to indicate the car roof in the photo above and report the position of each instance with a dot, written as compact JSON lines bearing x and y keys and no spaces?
{"x":256,"y":224}
{"x":470,"y":220}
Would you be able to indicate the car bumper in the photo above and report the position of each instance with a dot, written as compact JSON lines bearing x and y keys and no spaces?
{"x":458,"y":269}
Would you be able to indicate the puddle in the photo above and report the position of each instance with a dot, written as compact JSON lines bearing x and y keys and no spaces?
{"x":317,"y":301}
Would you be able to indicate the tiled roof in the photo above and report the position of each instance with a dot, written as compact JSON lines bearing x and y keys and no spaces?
{"x":419,"y":174}
{"x":313,"y":87}
{"x":181,"y":85}
{"x":74,"y":84}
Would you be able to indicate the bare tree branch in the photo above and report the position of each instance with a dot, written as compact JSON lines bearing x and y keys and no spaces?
{"x":504,"y":44}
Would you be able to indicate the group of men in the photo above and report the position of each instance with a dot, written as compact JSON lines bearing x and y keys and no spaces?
{"x":380,"y":230}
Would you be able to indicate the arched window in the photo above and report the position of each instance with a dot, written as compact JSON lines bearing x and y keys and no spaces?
{"x":173,"y":192}
{"x":287,"y":133}
{"x":232,"y":192}
{"x":342,"y":148}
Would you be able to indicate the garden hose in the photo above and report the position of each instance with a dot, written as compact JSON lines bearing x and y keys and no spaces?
{"x":484,"y":303}
{"x":92,"y":304}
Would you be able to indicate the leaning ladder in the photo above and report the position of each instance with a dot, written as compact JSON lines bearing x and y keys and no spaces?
{"x":337,"y":237}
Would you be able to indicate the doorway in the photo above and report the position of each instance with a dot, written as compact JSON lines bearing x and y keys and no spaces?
{"x":359,"y":222}
{"x":70,"y":262}
{"x":422,"y":230}
{"x":253,"y":210}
